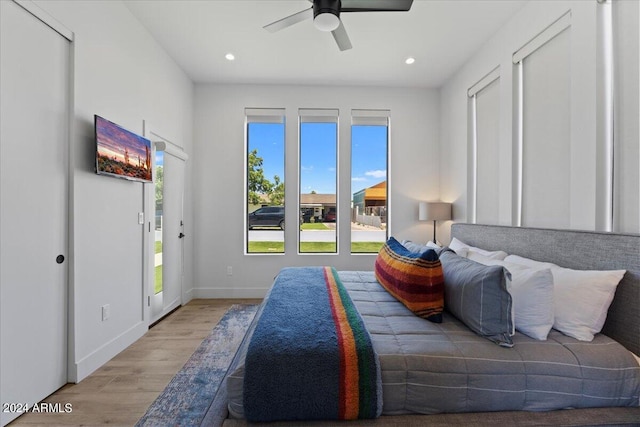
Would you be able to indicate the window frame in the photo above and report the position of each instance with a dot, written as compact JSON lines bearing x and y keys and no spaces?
{"x":372,"y":117}
{"x":320,"y":115}
{"x":265,"y":116}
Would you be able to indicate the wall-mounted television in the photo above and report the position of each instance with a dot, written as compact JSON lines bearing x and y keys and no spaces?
{"x":122,"y":153}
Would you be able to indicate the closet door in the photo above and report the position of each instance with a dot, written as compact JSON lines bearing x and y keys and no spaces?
{"x":34,"y":116}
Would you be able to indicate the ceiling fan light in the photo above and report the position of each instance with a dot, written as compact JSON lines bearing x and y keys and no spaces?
{"x":326,"y":21}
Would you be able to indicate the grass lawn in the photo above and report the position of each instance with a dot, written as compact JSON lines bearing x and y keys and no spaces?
{"x":313,"y":226}
{"x":314,"y":247}
{"x":158,"y":246}
{"x":366,"y":247}
{"x":266,"y":247}
{"x":158,"y":286}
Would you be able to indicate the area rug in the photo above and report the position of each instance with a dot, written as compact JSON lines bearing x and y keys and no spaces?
{"x":187,"y":398}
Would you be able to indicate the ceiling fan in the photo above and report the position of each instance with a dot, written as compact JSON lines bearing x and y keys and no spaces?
{"x":326,"y":15}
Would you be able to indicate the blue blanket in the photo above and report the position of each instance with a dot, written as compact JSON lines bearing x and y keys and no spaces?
{"x":310,"y":357}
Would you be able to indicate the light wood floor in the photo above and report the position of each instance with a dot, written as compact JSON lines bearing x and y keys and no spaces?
{"x":120,"y":392}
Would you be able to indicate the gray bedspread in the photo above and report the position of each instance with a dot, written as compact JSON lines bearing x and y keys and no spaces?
{"x":433,"y":368}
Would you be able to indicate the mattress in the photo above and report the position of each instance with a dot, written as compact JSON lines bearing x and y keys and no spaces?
{"x":432,"y":368}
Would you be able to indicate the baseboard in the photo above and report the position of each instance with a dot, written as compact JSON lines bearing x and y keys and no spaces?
{"x":218,"y":293}
{"x":187,"y":296}
{"x":86,"y":366}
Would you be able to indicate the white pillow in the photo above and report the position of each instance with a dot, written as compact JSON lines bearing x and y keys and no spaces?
{"x":532,"y":293}
{"x":581,"y":297}
{"x":532,"y":263}
{"x":463,"y":250}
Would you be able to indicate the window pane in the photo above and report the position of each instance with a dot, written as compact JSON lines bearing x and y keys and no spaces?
{"x":318,"y":186}
{"x":265,"y":187}
{"x":369,"y":148}
{"x":159,"y":190}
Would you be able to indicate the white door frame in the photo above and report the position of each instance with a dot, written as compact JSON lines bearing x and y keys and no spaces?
{"x":159,"y":142}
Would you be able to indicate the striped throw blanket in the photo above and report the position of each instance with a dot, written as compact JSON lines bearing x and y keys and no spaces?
{"x":310,"y":356}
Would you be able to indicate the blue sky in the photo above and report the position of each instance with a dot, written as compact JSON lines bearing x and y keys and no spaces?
{"x":318,"y":154}
{"x":368,"y":156}
{"x":318,"y":159}
{"x":268,"y":139}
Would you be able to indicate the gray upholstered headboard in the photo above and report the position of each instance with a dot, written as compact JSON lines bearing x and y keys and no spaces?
{"x":580,"y":250}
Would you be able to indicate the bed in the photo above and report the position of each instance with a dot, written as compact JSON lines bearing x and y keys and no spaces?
{"x":446,"y":368}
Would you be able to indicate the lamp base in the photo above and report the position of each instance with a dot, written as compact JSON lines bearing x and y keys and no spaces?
{"x":434,"y":232}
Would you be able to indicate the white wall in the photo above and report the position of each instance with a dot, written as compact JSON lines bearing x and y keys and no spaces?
{"x":122,"y":74}
{"x":585,"y":204}
{"x":218,"y":174}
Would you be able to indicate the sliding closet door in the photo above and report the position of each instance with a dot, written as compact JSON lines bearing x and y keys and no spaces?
{"x":546,"y":134}
{"x":34,"y":82}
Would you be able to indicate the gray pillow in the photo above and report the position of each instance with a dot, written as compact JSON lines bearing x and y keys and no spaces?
{"x":415,"y":247}
{"x":477,"y":295}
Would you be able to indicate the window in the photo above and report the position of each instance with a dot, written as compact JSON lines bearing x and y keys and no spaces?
{"x":318,"y":180}
{"x":159,"y":198}
{"x":369,"y":179}
{"x":265,"y":140}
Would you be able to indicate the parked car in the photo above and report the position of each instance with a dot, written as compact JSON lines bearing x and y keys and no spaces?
{"x":330,"y":216}
{"x":306,"y":214}
{"x":267,"y":216}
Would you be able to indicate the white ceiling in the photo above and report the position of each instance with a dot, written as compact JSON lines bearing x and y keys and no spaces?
{"x":440,"y":34}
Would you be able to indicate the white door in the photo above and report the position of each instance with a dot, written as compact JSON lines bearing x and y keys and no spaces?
{"x":34,"y":116}
{"x":169,"y":262}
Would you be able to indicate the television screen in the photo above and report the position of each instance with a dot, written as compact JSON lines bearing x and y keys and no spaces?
{"x":122,"y":153}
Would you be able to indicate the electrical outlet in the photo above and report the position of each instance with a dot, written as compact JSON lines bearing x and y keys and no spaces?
{"x":229,"y":270}
{"x":106,"y":312}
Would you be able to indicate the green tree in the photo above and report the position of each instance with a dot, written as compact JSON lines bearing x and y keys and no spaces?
{"x":276,"y":197}
{"x":159,"y":186}
{"x":258,"y":184}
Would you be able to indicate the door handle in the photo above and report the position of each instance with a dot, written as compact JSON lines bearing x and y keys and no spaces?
{"x":180,"y":236}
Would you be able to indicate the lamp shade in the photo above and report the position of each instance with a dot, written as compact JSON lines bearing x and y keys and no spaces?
{"x":434,"y":211}
{"x":422,"y":211}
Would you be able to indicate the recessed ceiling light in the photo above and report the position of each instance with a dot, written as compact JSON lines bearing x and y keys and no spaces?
{"x":230,"y":56}
{"x":410,"y":60}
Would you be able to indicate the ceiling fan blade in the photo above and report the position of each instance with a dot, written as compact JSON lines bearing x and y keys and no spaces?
{"x":289,"y":20}
{"x":341,"y":37}
{"x":376,"y":5}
